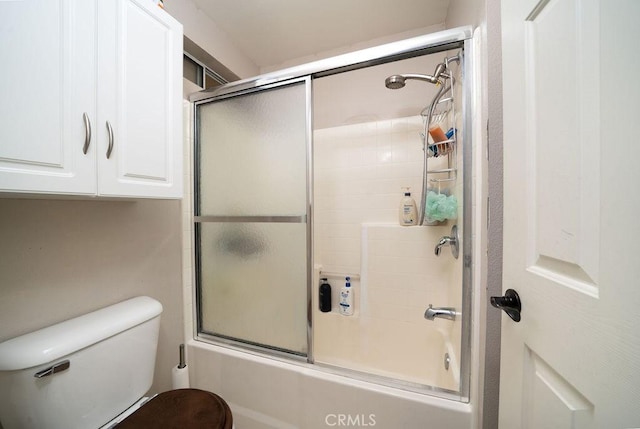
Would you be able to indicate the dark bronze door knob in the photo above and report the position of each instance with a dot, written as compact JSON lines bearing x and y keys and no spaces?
{"x":510,"y":303}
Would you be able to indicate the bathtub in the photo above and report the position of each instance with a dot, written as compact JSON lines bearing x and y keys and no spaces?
{"x":265,"y":392}
{"x":416,"y":357}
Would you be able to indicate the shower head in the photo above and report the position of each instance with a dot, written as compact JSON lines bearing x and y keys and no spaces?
{"x":394,"y":82}
{"x":397,"y":81}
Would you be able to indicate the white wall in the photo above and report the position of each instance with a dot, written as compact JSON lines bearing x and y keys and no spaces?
{"x":485,"y":14}
{"x":465,"y":12}
{"x":60,"y":259}
{"x":206,"y":34}
{"x":351,"y":48}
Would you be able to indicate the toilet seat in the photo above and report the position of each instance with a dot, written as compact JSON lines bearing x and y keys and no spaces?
{"x":181,"y":408}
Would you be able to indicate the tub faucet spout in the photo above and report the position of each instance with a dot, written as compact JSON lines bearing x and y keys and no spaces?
{"x":448,"y":313}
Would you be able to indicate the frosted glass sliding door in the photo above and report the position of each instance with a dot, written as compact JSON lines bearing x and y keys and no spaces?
{"x":251,"y":217}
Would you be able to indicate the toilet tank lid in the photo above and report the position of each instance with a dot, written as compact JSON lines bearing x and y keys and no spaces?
{"x":53,"y":342}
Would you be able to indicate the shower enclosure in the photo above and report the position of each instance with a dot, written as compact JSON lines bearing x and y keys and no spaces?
{"x":298,"y":177}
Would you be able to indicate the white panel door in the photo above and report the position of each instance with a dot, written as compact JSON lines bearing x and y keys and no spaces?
{"x":140,"y":93}
{"x":572,"y":210}
{"x":47,"y":87}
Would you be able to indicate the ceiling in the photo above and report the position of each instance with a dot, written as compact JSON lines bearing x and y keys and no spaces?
{"x":272,"y":32}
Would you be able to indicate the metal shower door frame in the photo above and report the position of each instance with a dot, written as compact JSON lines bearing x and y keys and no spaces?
{"x":439,"y":42}
{"x":306,"y":218}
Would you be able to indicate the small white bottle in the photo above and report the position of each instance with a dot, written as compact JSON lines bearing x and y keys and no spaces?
{"x":346,"y":298}
{"x":408,"y":213}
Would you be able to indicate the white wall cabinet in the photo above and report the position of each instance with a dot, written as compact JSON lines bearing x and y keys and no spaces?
{"x":91,"y":99}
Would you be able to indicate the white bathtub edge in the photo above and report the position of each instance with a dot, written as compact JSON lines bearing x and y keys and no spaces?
{"x":307,"y":370}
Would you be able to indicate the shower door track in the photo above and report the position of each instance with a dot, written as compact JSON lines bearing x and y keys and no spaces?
{"x":416,"y":46}
{"x":256,"y":219}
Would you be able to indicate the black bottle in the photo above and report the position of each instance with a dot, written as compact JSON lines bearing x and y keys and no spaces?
{"x":325,"y":296}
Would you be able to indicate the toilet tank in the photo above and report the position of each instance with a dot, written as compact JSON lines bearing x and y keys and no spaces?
{"x":82,"y":372}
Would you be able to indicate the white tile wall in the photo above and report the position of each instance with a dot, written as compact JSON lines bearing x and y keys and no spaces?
{"x":359,"y":172}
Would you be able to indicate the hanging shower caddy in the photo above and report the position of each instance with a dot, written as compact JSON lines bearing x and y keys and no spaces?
{"x":440,"y":142}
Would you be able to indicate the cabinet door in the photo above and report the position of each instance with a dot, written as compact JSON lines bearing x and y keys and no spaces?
{"x":140,"y":101}
{"x":47,"y":82}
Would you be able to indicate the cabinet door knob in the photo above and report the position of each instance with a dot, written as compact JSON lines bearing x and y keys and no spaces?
{"x":87,"y":133}
{"x":110,"y":147}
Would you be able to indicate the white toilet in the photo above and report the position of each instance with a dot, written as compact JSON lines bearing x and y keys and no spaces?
{"x":93,"y":372}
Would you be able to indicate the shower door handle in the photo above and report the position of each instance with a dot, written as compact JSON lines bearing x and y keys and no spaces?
{"x":510,"y":303}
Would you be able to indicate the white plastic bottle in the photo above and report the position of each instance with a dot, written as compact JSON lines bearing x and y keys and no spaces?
{"x":408,"y":213}
{"x":346,"y":298}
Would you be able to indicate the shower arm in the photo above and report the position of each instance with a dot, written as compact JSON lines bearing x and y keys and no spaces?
{"x":455,"y":58}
